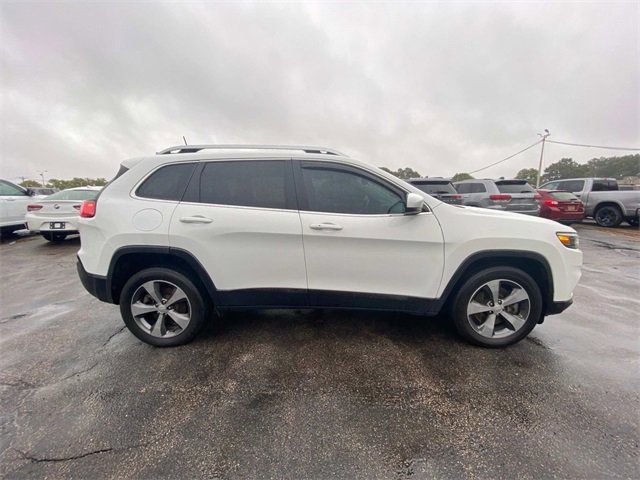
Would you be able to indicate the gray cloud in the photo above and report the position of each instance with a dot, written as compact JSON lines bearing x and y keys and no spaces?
{"x":439,"y":87}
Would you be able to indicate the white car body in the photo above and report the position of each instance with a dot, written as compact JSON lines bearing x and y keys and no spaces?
{"x":13,"y":205}
{"x":251,"y":250}
{"x":50,"y":211}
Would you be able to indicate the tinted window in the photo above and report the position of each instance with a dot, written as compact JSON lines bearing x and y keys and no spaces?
{"x":550,"y":186}
{"x":472,"y":188}
{"x":564,"y":196}
{"x":167,"y":183}
{"x":9,"y":189}
{"x":514,"y":187}
{"x":435,"y":187}
{"x":74,"y":195}
{"x":604,"y":185}
{"x":571,"y":185}
{"x":463,"y":187}
{"x":342,"y":191}
{"x":262,"y":184}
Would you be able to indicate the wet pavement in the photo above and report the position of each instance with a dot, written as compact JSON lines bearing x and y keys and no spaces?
{"x":301,"y":394}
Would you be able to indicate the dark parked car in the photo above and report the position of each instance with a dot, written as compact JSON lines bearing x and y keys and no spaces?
{"x":561,"y":206}
{"x":439,"y":188}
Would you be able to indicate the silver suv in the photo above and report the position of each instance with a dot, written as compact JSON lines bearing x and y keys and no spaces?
{"x":508,"y":195}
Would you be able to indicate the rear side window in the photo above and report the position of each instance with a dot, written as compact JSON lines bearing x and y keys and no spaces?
{"x":263,"y":184}
{"x":514,"y":187}
{"x":571,"y":185}
{"x":435,"y":187}
{"x":564,"y":196}
{"x":604,"y":185}
{"x":167,"y":183}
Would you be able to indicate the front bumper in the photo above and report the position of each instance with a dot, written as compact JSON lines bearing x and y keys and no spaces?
{"x":94,"y":284}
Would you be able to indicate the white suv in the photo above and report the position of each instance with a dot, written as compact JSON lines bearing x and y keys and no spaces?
{"x":227,"y":227}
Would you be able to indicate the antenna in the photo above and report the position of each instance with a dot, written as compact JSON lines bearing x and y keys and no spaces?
{"x":185,"y":140}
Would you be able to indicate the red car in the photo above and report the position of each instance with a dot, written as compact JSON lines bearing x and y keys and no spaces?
{"x":561,"y":206}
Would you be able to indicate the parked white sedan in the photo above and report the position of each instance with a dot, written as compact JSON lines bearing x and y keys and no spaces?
{"x":56,"y":216}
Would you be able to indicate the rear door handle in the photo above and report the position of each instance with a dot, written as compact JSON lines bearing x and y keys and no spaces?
{"x":196,"y":219}
{"x":325,"y":226}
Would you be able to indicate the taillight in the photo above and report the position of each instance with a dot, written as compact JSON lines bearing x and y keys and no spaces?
{"x":551,"y":203}
{"x":77,"y":207}
{"x":88,"y":209}
{"x":500,"y":198}
{"x":456,"y":196}
{"x":31,"y":208}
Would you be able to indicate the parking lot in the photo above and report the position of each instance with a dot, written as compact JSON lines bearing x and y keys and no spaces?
{"x":301,"y":394}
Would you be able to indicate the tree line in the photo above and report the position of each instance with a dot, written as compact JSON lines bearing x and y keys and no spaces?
{"x":614,"y":167}
{"x":63,"y":184}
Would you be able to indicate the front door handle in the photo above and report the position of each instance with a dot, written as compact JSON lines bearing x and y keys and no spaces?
{"x":196,"y":219}
{"x":325,"y":226}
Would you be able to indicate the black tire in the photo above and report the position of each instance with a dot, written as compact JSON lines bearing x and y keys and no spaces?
{"x":608,"y":216}
{"x":470,"y":286}
{"x":54,"y":237}
{"x":633,"y":221}
{"x":198,"y":306}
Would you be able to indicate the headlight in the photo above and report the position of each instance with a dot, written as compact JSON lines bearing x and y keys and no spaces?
{"x":569,"y":240}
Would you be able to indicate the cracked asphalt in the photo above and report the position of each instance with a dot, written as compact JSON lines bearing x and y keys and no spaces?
{"x":316,"y":394}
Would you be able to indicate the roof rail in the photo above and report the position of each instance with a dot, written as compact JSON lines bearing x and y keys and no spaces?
{"x":197,"y":148}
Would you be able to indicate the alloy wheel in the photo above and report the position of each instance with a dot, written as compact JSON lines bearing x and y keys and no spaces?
{"x":498,"y":308}
{"x":161,"y":308}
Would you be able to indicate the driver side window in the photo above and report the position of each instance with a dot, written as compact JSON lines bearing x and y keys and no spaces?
{"x":341,"y":191}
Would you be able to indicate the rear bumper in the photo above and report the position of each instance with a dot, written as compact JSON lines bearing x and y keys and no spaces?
{"x":94,"y":284}
{"x":558,"y":307}
{"x":37,"y":223}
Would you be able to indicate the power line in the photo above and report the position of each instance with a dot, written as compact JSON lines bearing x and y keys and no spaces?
{"x":592,"y":146}
{"x":508,"y":158}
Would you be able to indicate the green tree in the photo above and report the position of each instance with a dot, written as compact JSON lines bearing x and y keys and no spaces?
{"x":76,"y":182}
{"x":565,"y":168}
{"x":528,"y":174}
{"x":616,"y":167}
{"x":461,"y":176}
{"x":404,"y":173}
{"x":30,"y":183}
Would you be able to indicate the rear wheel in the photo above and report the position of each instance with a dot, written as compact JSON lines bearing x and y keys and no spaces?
{"x":497,"y":307}
{"x":633,"y":222}
{"x":54,"y":237}
{"x":162,"y":307}
{"x":608,"y":216}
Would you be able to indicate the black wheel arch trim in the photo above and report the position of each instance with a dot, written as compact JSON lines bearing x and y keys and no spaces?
{"x":183,"y":255}
{"x":476,"y":257}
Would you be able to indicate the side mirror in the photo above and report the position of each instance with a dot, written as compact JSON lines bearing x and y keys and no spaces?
{"x":414,"y":204}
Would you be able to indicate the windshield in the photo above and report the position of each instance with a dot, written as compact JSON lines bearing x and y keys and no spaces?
{"x":74,"y":195}
{"x":435,"y":187}
{"x":514,"y":187}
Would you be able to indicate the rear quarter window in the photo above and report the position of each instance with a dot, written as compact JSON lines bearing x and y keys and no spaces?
{"x":167,"y":183}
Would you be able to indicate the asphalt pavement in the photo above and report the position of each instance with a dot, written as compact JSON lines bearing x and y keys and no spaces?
{"x":316,"y":394}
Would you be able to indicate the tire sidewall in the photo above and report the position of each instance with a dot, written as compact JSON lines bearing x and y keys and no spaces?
{"x":459,"y":310}
{"x":197,"y":303}
{"x":613,"y":209}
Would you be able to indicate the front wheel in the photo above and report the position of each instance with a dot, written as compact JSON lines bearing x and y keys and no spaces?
{"x":162,"y":307}
{"x":608,"y":216}
{"x":497,"y":307}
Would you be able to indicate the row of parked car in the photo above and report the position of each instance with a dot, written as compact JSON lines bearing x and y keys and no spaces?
{"x":53,"y":214}
{"x":566,"y":201}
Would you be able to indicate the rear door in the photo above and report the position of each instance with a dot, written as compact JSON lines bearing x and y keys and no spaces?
{"x":240,"y":220}
{"x":13,"y":203}
{"x":357,"y":239}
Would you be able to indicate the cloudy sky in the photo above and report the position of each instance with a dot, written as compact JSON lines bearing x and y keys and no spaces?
{"x":441,"y":87}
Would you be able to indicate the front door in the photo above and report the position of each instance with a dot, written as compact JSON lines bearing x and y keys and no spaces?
{"x":357,"y":239}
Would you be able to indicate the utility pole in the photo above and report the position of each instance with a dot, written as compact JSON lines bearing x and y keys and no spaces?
{"x":42,"y":176}
{"x":544,"y":138}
